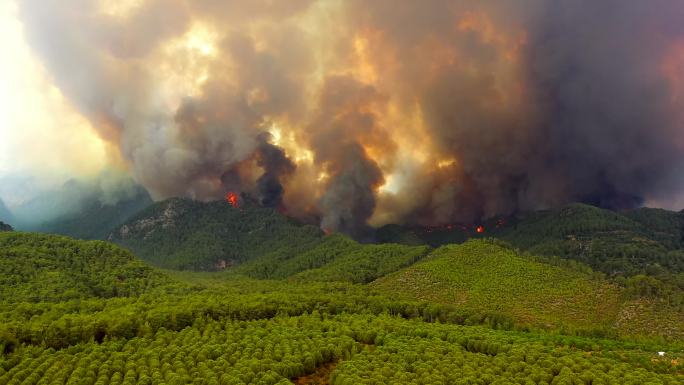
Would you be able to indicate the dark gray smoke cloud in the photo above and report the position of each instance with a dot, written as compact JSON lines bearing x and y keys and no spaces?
{"x":592,"y":120}
{"x":351,"y":176}
{"x":386,"y":111}
{"x":276,"y":166}
{"x":608,"y":128}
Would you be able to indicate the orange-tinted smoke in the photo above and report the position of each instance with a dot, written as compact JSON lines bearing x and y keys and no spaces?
{"x":358,"y":113}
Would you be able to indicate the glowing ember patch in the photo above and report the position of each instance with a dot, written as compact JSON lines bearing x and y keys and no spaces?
{"x":327,"y":231}
{"x":480,"y":229}
{"x":232,"y":199}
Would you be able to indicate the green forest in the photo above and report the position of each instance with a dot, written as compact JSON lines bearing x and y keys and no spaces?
{"x":205,"y":293}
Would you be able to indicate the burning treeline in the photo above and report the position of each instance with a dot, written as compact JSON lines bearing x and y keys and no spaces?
{"x":368,"y":112}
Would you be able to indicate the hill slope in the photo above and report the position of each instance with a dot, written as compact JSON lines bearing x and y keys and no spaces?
{"x":641,"y":241}
{"x":335,"y":258}
{"x":39,"y":267}
{"x":210,"y":329}
{"x":254,"y":241}
{"x":481,"y":275}
{"x":185,"y":234}
{"x":5,"y":227}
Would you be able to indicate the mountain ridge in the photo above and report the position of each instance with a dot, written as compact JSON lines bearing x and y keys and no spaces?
{"x":639,"y":241}
{"x":186,"y":234}
{"x":5,"y":214}
{"x":95,"y":219}
{"x":5,"y":227}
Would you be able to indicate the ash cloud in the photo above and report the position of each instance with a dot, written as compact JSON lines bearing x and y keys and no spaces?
{"x":277,"y":166}
{"x":577,"y":109}
{"x":350,"y":177}
{"x":598,"y":77}
{"x":385,"y":111}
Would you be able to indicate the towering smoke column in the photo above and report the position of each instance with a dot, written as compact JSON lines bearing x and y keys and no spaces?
{"x":361,"y":113}
{"x":343,"y":122}
{"x":276,"y":166}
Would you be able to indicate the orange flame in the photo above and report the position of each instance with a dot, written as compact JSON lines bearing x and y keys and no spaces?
{"x":232,"y":199}
{"x":480,"y":229}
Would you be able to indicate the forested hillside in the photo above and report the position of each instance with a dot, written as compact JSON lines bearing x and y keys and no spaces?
{"x":486,"y":276}
{"x":641,"y":241}
{"x":335,"y":258}
{"x":5,"y":227}
{"x":483,"y":275}
{"x":36,"y":267}
{"x":277,"y":302}
{"x":186,"y":234}
{"x":88,"y":312}
{"x":637,"y":250}
{"x":254,"y":241}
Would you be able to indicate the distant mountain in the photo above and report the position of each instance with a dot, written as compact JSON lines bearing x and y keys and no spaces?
{"x":5,"y":215}
{"x":41,"y":267}
{"x":640,"y":241}
{"x":95,"y":219}
{"x":5,"y":227}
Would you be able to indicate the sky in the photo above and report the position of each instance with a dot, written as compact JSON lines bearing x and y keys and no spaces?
{"x":41,"y":133}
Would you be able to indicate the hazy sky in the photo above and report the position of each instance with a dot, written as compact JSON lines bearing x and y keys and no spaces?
{"x":40,"y":131}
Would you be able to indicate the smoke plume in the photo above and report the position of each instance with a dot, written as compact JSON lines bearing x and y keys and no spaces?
{"x":276,"y":166}
{"x":361,"y":113}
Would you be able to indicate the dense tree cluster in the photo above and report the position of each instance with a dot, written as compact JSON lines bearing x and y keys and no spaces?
{"x":174,"y":308}
{"x":642,"y":241}
{"x":77,"y":312}
{"x":226,"y":352}
{"x":369,"y":350}
{"x":642,"y":250}
{"x":36,"y":267}
{"x":190,"y":235}
{"x":448,"y":355}
{"x":336,"y":258}
{"x":254,"y":241}
{"x":484,"y":274}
